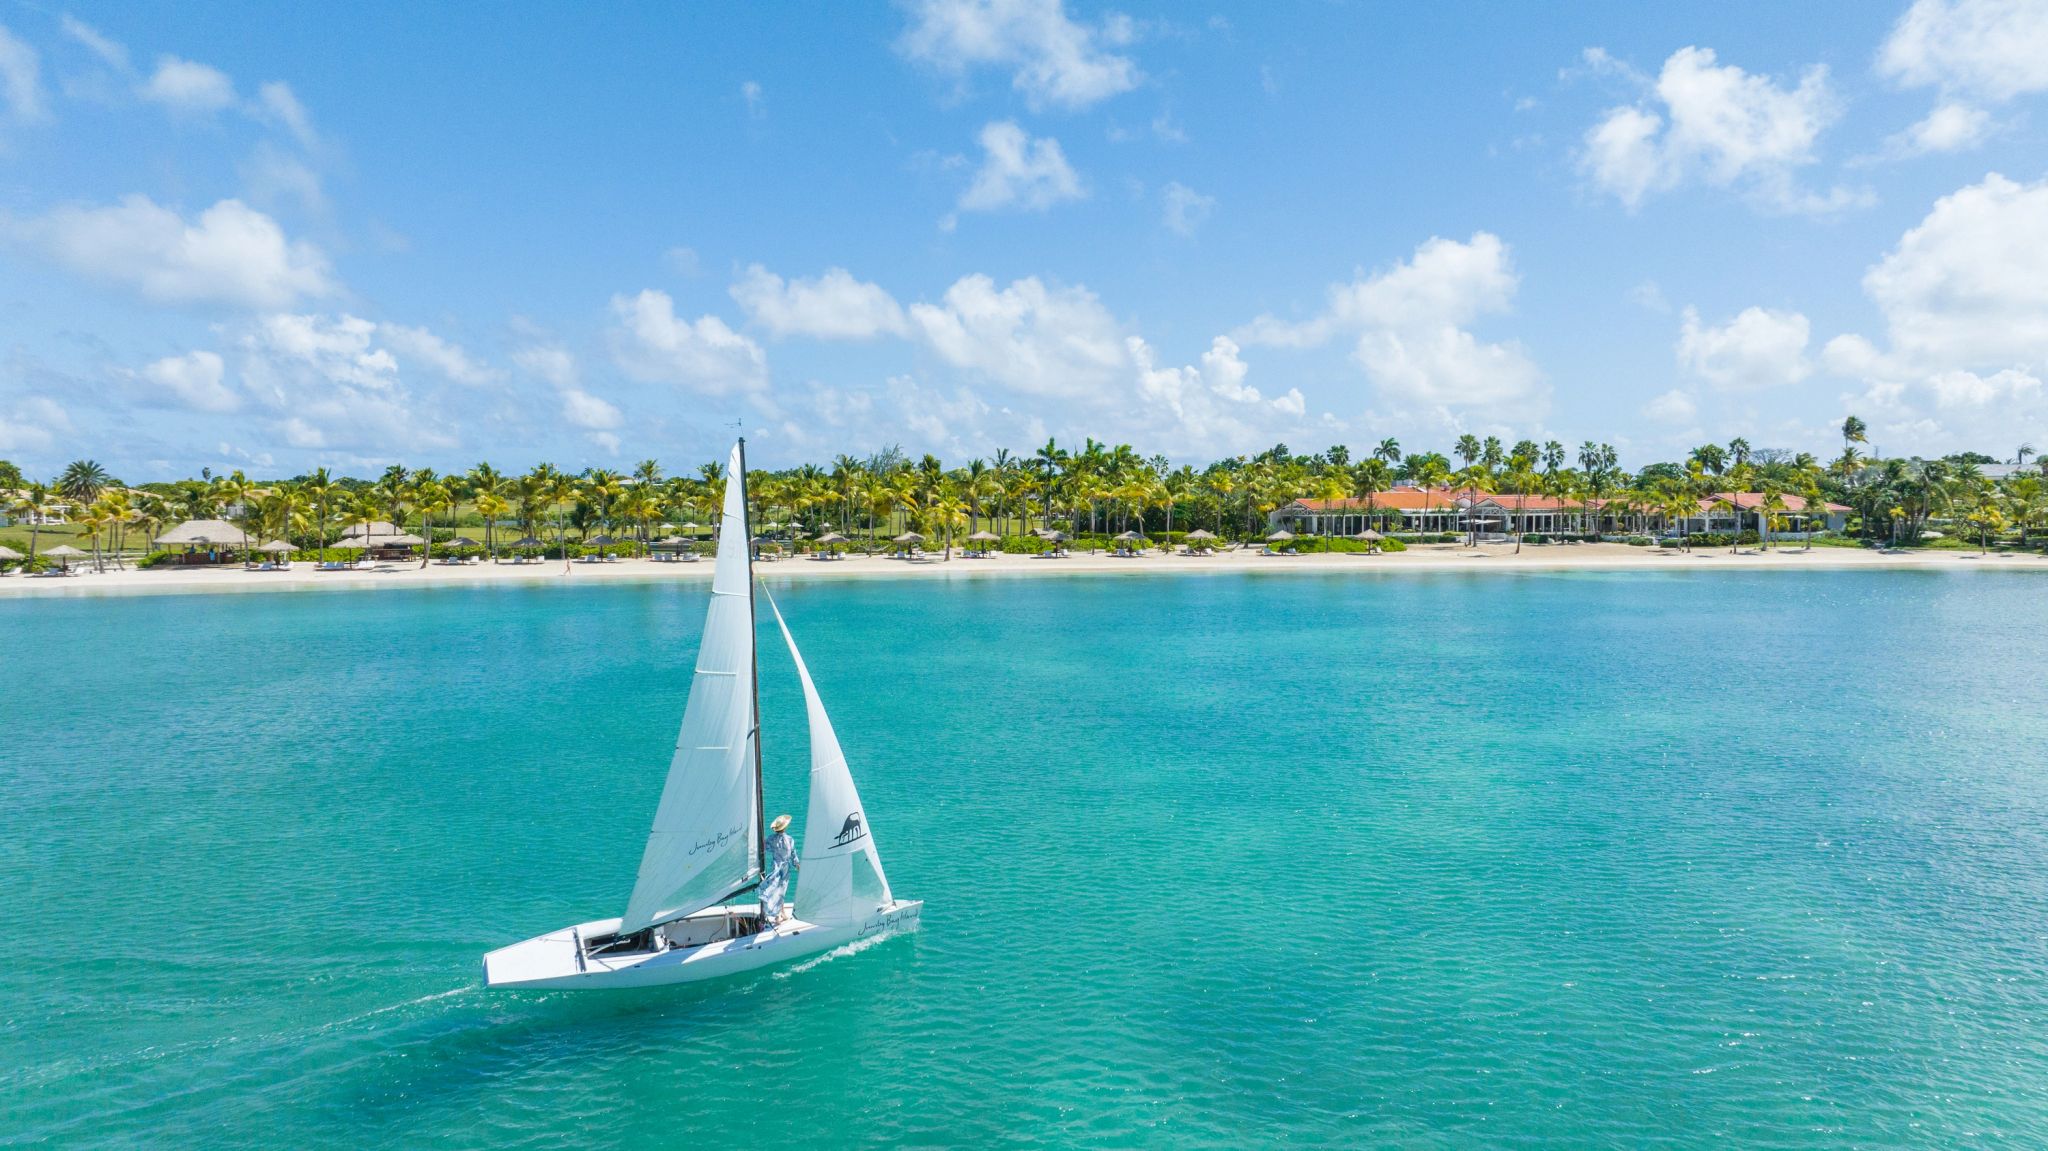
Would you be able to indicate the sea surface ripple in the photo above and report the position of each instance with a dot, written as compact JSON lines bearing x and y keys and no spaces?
{"x":1531,"y":861}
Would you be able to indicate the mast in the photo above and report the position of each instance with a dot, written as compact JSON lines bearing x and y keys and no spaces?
{"x":754,"y":659}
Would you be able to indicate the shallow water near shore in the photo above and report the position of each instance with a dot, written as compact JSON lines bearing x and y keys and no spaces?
{"x":1531,"y":860}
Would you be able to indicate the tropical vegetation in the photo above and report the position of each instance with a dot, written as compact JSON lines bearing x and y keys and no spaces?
{"x":1092,"y":490}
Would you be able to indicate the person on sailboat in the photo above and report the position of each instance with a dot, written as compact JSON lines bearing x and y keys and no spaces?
{"x":775,"y":877}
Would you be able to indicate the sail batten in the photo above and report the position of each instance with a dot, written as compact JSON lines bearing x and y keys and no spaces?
{"x":704,"y":845}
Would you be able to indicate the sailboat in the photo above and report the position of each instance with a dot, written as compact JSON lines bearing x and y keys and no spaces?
{"x":683,"y":921}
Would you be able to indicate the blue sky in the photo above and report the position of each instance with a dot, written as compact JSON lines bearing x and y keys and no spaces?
{"x":248,"y":236}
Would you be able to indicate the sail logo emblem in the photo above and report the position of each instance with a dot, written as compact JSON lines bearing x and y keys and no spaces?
{"x":851,"y":831}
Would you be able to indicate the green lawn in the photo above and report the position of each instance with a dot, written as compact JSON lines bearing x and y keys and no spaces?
{"x":17,"y":537}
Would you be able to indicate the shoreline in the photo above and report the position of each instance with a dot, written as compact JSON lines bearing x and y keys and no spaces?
{"x":1430,"y":558}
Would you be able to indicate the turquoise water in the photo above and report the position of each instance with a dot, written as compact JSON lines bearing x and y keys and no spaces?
{"x":1684,"y":860}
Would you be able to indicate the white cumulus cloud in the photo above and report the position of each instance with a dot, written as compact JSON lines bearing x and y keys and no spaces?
{"x":1039,"y":340}
{"x":188,"y":86}
{"x":450,"y":361}
{"x":1716,"y":124}
{"x":231,"y":254}
{"x":1757,"y":349}
{"x":1972,"y":52}
{"x":330,"y":385}
{"x":652,"y":344}
{"x":550,"y":362}
{"x":194,"y":380}
{"x":1673,"y":407}
{"x":1208,"y":407}
{"x":834,"y":306}
{"x":584,"y":410}
{"x":1409,"y":323}
{"x":32,"y":424}
{"x":1992,"y":49}
{"x":1019,"y":172}
{"x":1964,"y":296}
{"x":1053,"y":60}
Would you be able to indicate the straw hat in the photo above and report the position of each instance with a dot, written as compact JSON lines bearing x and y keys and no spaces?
{"x":781,"y":823}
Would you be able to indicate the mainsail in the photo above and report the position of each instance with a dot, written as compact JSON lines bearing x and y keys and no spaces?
{"x":842,"y":877}
{"x":705,"y":845}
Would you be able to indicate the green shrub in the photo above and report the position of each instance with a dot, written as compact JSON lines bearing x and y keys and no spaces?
{"x":1718,"y":539}
{"x":1309,"y":545}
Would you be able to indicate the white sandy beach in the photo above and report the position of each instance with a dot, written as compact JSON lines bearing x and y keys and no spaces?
{"x":1424,"y":558}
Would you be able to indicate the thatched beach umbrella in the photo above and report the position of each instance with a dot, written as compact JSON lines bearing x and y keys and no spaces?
{"x":985,"y":536}
{"x":350,"y":545}
{"x":9,"y":554}
{"x":63,"y":552}
{"x":1127,"y":536}
{"x":1369,"y":535}
{"x":206,"y":533}
{"x":910,"y":538}
{"x":525,"y":542}
{"x":831,"y":538}
{"x":462,"y":542}
{"x":1201,"y":534}
{"x":1281,"y":536}
{"x":600,"y":541}
{"x":278,"y":548}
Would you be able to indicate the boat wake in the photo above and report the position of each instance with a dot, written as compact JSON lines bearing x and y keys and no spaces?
{"x":290,"y":1038}
{"x":389,"y":1008}
{"x":839,"y":952}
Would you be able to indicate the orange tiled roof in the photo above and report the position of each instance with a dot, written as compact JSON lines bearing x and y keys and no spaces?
{"x":1751,"y":501}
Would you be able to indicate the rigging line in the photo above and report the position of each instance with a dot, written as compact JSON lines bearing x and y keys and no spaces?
{"x":753,"y":654}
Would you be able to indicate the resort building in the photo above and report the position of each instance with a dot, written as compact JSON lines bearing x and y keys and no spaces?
{"x":52,"y":514}
{"x":1727,"y":512}
{"x":1436,"y":510}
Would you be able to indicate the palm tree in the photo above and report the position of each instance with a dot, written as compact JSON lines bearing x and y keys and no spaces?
{"x":1331,"y":487}
{"x":236,"y":494}
{"x":359,"y":509}
{"x":1369,"y":479}
{"x":1429,"y":471}
{"x":1388,"y":452}
{"x":560,"y":491}
{"x":2024,"y":495}
{"x":319,"y":488}
{"x":486,"y":485}
{"x":430,"y":495}
{"x":1522,"y":476}
{"x":1468,"y":448}
{"x":1475,"y":479}
{"x":492,"y":506}
{"x":82,"y":481}
{"x":1854,"y":431}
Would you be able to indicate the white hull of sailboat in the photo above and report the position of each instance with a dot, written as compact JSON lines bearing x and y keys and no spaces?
{"x":552,"y":961}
